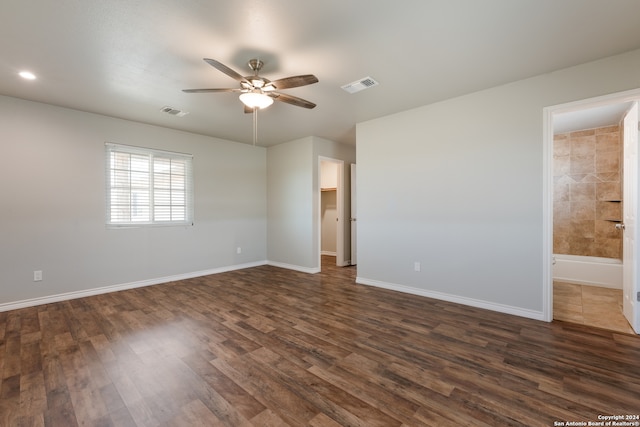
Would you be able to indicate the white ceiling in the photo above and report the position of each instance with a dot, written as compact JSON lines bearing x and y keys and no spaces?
{"x":590,"y":118}
{"x":128,"y":59}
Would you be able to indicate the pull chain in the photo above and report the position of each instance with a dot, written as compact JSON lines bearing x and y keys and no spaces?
{"x":255,"y":126}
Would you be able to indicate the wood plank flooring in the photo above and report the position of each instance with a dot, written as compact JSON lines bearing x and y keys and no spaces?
{"x":271,"y":347}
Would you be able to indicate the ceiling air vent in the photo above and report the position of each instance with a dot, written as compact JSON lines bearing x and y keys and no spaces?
{"x":360,"y":84}
{"x":174,"y":112}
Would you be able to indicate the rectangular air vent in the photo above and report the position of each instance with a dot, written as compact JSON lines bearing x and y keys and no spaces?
{"x":360,"y":84}
{"x":173,"y":111}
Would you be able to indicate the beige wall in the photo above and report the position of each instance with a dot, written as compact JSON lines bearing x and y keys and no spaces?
{"x":293,"y":211}
{"x":460,"y":186}
{"x":53,"y":206}
{"x":587,"y":193}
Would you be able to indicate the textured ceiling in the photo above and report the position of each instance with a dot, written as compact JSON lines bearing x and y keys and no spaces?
{"x":128,"y":59}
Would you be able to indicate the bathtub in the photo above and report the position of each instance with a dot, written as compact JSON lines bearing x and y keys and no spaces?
{"x":586,"y":270}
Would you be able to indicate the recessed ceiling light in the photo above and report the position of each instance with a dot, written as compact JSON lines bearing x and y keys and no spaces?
{"x":27,"y":75}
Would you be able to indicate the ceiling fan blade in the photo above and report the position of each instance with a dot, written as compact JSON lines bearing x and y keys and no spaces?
{"x":210,"y":90}
{"x":295,"y":81}
{"x":290,"y":99}
{"x":228,"y":71}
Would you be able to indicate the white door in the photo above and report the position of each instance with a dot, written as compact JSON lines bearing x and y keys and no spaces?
{"x":630,"y":213}
{"x":354,"y":217}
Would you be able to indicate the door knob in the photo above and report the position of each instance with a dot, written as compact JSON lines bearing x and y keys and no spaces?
{"x":620,"y":226}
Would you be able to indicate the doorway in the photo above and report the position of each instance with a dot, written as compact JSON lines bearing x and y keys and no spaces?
{"x":584,"y":196}
{"x":331,"y":216}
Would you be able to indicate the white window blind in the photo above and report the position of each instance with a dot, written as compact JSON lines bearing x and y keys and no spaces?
{"x":148,"y":187}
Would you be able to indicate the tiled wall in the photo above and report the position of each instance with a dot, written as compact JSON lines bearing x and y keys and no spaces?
{"x":587,"y":202}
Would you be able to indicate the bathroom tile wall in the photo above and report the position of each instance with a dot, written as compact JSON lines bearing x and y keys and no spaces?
{"x":587,"y":193}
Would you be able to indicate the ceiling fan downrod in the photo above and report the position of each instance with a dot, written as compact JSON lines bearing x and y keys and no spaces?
{"x":255,"y":65}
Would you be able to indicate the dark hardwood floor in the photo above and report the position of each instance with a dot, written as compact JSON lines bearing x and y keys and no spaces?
{"x":272,"y":347}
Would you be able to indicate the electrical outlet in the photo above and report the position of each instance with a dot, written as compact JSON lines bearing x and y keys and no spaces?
{"x":238,"y":250}
{"x":416,"y":266}
{"x":37,"y":275}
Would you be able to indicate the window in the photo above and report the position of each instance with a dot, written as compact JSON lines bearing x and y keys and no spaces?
{"x":148,"y":187}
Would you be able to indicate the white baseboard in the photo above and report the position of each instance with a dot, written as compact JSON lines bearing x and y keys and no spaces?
{"x":501,"y":308}
{"x":310,"y":270}
{"x":149,"y":282}
{"x":121,"y":287}
{"x":328,"y":253}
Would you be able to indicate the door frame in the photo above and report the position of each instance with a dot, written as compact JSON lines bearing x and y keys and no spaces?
{"x":340,"y":252}
{"x":353,"y":220}
{"x":630,"y":198}
{"x":547,"y":185}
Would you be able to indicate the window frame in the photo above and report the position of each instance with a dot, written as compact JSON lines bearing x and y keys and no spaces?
{"x":168,"y":182}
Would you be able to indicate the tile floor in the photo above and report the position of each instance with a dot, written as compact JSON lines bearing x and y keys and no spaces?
{"x":589,"y":305}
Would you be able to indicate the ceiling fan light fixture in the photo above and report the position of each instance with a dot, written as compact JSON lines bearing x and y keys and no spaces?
{"x":256,"y":99}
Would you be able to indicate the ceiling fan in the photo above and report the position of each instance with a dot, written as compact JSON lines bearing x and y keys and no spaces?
{"x":257,"y":92}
